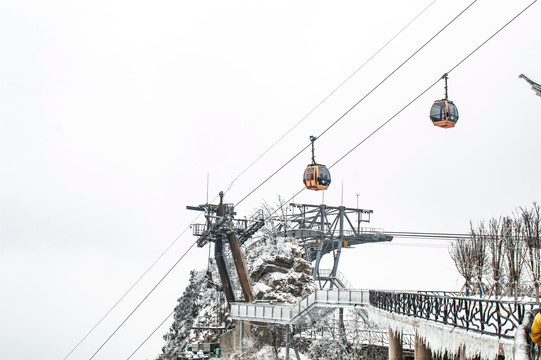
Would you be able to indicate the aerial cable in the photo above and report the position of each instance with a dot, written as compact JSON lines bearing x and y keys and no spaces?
{"x":490,"y":38}
{"x":433,"y":84}
{"x":126,"y":293}
{"x":144,"y":299}
{"x":434,"y":236}
{"x":149,"y":336}
{"x":328,"y":96}
{"x":362,"y":99}
{"x":385,"y":123}
{"x":396,"y":69}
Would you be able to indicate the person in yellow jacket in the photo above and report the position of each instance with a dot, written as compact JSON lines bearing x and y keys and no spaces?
{"x":535,"y":331}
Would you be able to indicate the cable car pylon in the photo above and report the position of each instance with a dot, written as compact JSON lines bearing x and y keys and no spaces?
{"x":221,"y":225}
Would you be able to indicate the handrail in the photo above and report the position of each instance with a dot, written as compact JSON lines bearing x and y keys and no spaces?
{"x":492,"y":317}
{"x":291,"y":314}
{"x":326,"y":273}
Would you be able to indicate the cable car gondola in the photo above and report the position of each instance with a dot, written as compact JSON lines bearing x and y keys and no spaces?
{"x":316,"y":176}
{"x":444,"y":113}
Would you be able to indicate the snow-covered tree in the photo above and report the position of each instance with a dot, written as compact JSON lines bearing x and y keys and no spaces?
{"x":531,"y":233}
{"x":515,"y":251}
{"x":496,"y":250}
{"x":201,"y":308}
{"x":461,"y":252}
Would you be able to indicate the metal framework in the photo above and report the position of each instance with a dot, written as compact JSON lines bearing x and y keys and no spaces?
{"x":221,"y":225}
{"x":323,"y":229}
{"x":308,"y":310}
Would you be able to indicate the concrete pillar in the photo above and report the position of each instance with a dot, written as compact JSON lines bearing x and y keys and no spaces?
{"x":395,"y":346}
{"x":422,"y":352}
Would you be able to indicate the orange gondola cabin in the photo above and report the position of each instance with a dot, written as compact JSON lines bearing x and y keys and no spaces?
{"x":444,"y":113}
{"x":316,"y":176}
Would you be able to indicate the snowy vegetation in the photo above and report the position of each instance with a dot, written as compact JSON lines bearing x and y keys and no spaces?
{"x":202,"y":306}
{"x":502,"y":257}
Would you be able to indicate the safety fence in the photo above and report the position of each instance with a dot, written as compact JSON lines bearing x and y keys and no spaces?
{"x":291,"y":314}
{"x":492,"y":317}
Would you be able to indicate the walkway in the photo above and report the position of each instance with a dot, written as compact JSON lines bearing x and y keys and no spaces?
{"x":307,"y":310}
{"x":446,"y":322}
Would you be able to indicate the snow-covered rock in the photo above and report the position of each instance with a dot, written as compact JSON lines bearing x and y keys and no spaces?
{"x":277,"y":272}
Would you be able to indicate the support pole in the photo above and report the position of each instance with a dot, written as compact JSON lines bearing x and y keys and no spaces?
{"x":220,"y":262}
{"x":422,"y":351}
{"x":239,"y":264}
{"x":342,"y":332}
{"x":321,"y":241}
{"x":341,"y":242}
{"x":395,"y":346}
{"x":222,"y":270}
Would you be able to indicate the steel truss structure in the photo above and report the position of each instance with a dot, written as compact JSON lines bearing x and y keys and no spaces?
{"x":221,"y":225}
{"x":323,"y":229}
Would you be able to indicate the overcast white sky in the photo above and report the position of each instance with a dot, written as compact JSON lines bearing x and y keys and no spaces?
{"x":113,"y":112}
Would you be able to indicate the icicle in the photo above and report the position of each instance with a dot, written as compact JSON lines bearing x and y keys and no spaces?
{"x":444,"y":338}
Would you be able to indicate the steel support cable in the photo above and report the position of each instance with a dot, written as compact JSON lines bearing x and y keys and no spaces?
{"x":422,"y":93}
{"x":329,"y":95}
{"x":426,"y":235}
{"x":144,"y":299}
{"x":126,"y":293}
{"x":149,"y":336}
{"x":361,"y":100}
{"x":496,"y":33}
{"x":351,"y":150}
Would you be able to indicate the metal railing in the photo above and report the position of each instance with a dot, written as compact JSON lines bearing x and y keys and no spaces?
{"x":492,"y":317}
{"x":325,"y":274}
{"x":290,"y":314}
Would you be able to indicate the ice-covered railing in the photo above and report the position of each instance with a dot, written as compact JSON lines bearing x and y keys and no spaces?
{"x":291,"y":314}
{"x":492,"y":317}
